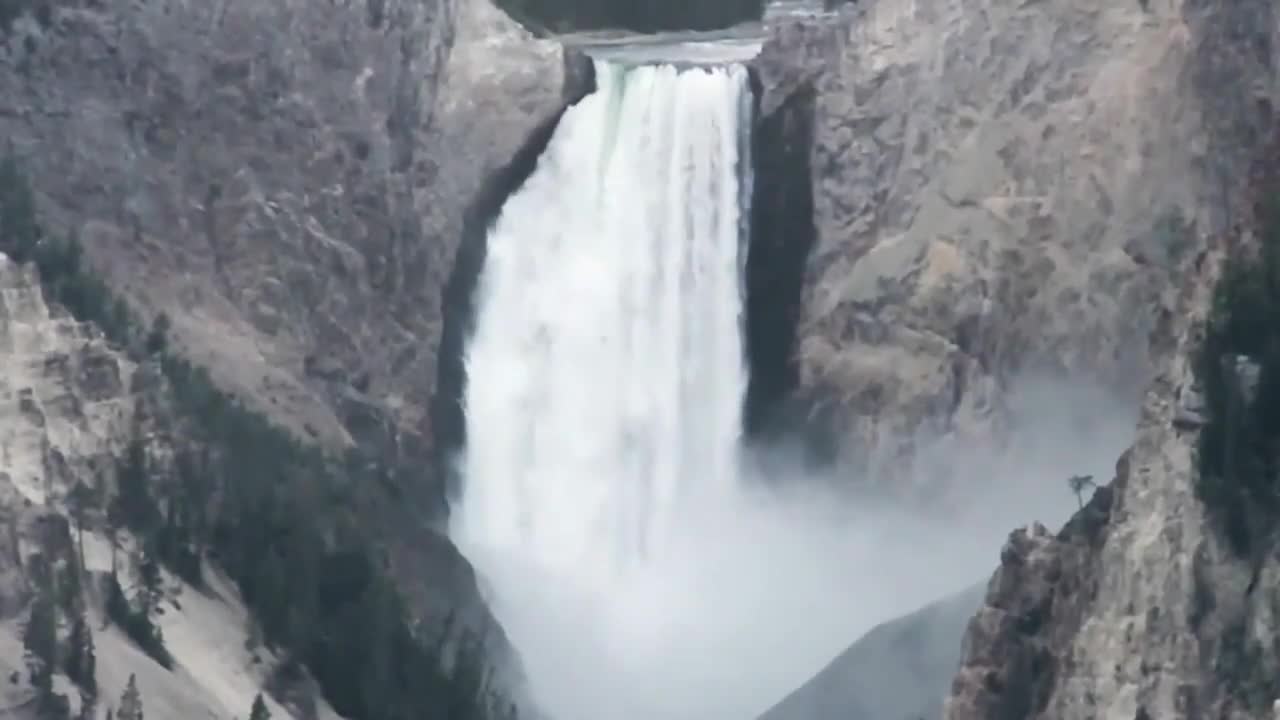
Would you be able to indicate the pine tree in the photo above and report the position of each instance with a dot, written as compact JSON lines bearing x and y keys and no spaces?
{"x":158,"y":338}
{"x":80,"y":500}
{"x":150,"y":580}
{"x":130,"y":702}
{"x":118,"y":610}
{"x":259,"y":711}
{"x":81,"y":664}
{"x":41,"y":640}
{"x":133,"y":506}
{"x":70,"y":590}
{"x":18,"y":225}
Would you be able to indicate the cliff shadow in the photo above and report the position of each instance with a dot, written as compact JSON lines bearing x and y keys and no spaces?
{"x":781,"y":236}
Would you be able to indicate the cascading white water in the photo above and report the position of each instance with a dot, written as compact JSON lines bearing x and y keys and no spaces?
{"x":635,"y":571}
{"x":606,"y":369}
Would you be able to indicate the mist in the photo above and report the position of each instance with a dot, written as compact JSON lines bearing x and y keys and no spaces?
{"x":758,"y":590}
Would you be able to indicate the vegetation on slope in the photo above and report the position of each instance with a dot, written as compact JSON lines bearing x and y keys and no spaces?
{"x":1239,"y":368}
{"x":55,"y":574}
{"x":281,"y":518}
{"x":1239,"y":454}
{"x":637,"y":15}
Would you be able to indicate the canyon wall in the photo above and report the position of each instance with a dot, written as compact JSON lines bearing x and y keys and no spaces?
{"x":285,"y":180}
{"x":1003,"y":189}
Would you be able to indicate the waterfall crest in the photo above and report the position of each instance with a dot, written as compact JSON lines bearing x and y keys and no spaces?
{"x":606,"y":371}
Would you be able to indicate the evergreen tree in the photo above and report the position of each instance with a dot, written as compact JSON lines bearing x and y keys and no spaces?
{"x":81,"y":663}
{"x":136,"y":624}
{"x":18,"y":229}
{"x":158,"y":338}
{"x":150,"y":580}
{"x":70,"y":591}
{"x":130,"y":702}
{"x":79,"y":501}
{"x":41,"y":640}
{"x":259,"y":710}
{"x":118,"y":610}
{"x":134,"y":507}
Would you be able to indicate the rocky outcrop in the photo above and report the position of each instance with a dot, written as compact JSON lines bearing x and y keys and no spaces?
{"x":286,"y":180}
{"x":66,"y":413}
{"x":1009,"y":187}
{"x":69,"y":404}
{"x":1139,"y":607}
{"x":1001,"y":188}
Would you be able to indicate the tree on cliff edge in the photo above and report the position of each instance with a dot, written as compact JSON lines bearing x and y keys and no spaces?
{"x":1078,"y":484}
{"x":259,"y":711}
{"x":130,"y":701}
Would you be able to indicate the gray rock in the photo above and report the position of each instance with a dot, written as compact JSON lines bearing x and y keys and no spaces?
{"x":1138,"y":608}
{"x":285,"y":179}
{"x":1002,"y":188}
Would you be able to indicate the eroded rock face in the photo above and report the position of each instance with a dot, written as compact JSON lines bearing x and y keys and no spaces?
{"x":64,"y":416}
{"x":69,"y":405}
{"x":1138,"y":608}
{"x":64,"y":412}
{"x":1002,"y":187}
{"x":285,"y":179}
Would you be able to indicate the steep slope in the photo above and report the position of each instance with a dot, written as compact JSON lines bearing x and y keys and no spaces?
{"x":287,"y":183}
{"x":286,"y":180}
{"x":68,"y":404}
{"x":1099,"y":621}
{"x":1003,"y":188}
{"x":900,"y":670}
{"x":1158,"y":600}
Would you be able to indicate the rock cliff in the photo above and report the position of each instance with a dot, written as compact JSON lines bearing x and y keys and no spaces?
{"x":286,"y":180}
{"x":1001,"y":188}
{"x":1140,"y":607}
{"x":1101,"y":619}
{"x":69,"y":403}
{"x":1010,"y":187}
{"x":988,"y":188}
{"x":288,"y":183}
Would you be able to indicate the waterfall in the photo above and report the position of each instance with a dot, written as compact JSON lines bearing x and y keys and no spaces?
{"x":606,"y":371}
{"x":642,"y":568}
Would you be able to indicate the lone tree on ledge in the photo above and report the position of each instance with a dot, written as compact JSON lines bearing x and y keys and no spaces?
{"x":1078,"y":484}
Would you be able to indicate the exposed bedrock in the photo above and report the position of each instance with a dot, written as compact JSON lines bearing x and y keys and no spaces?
{"x":999,"y":189}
